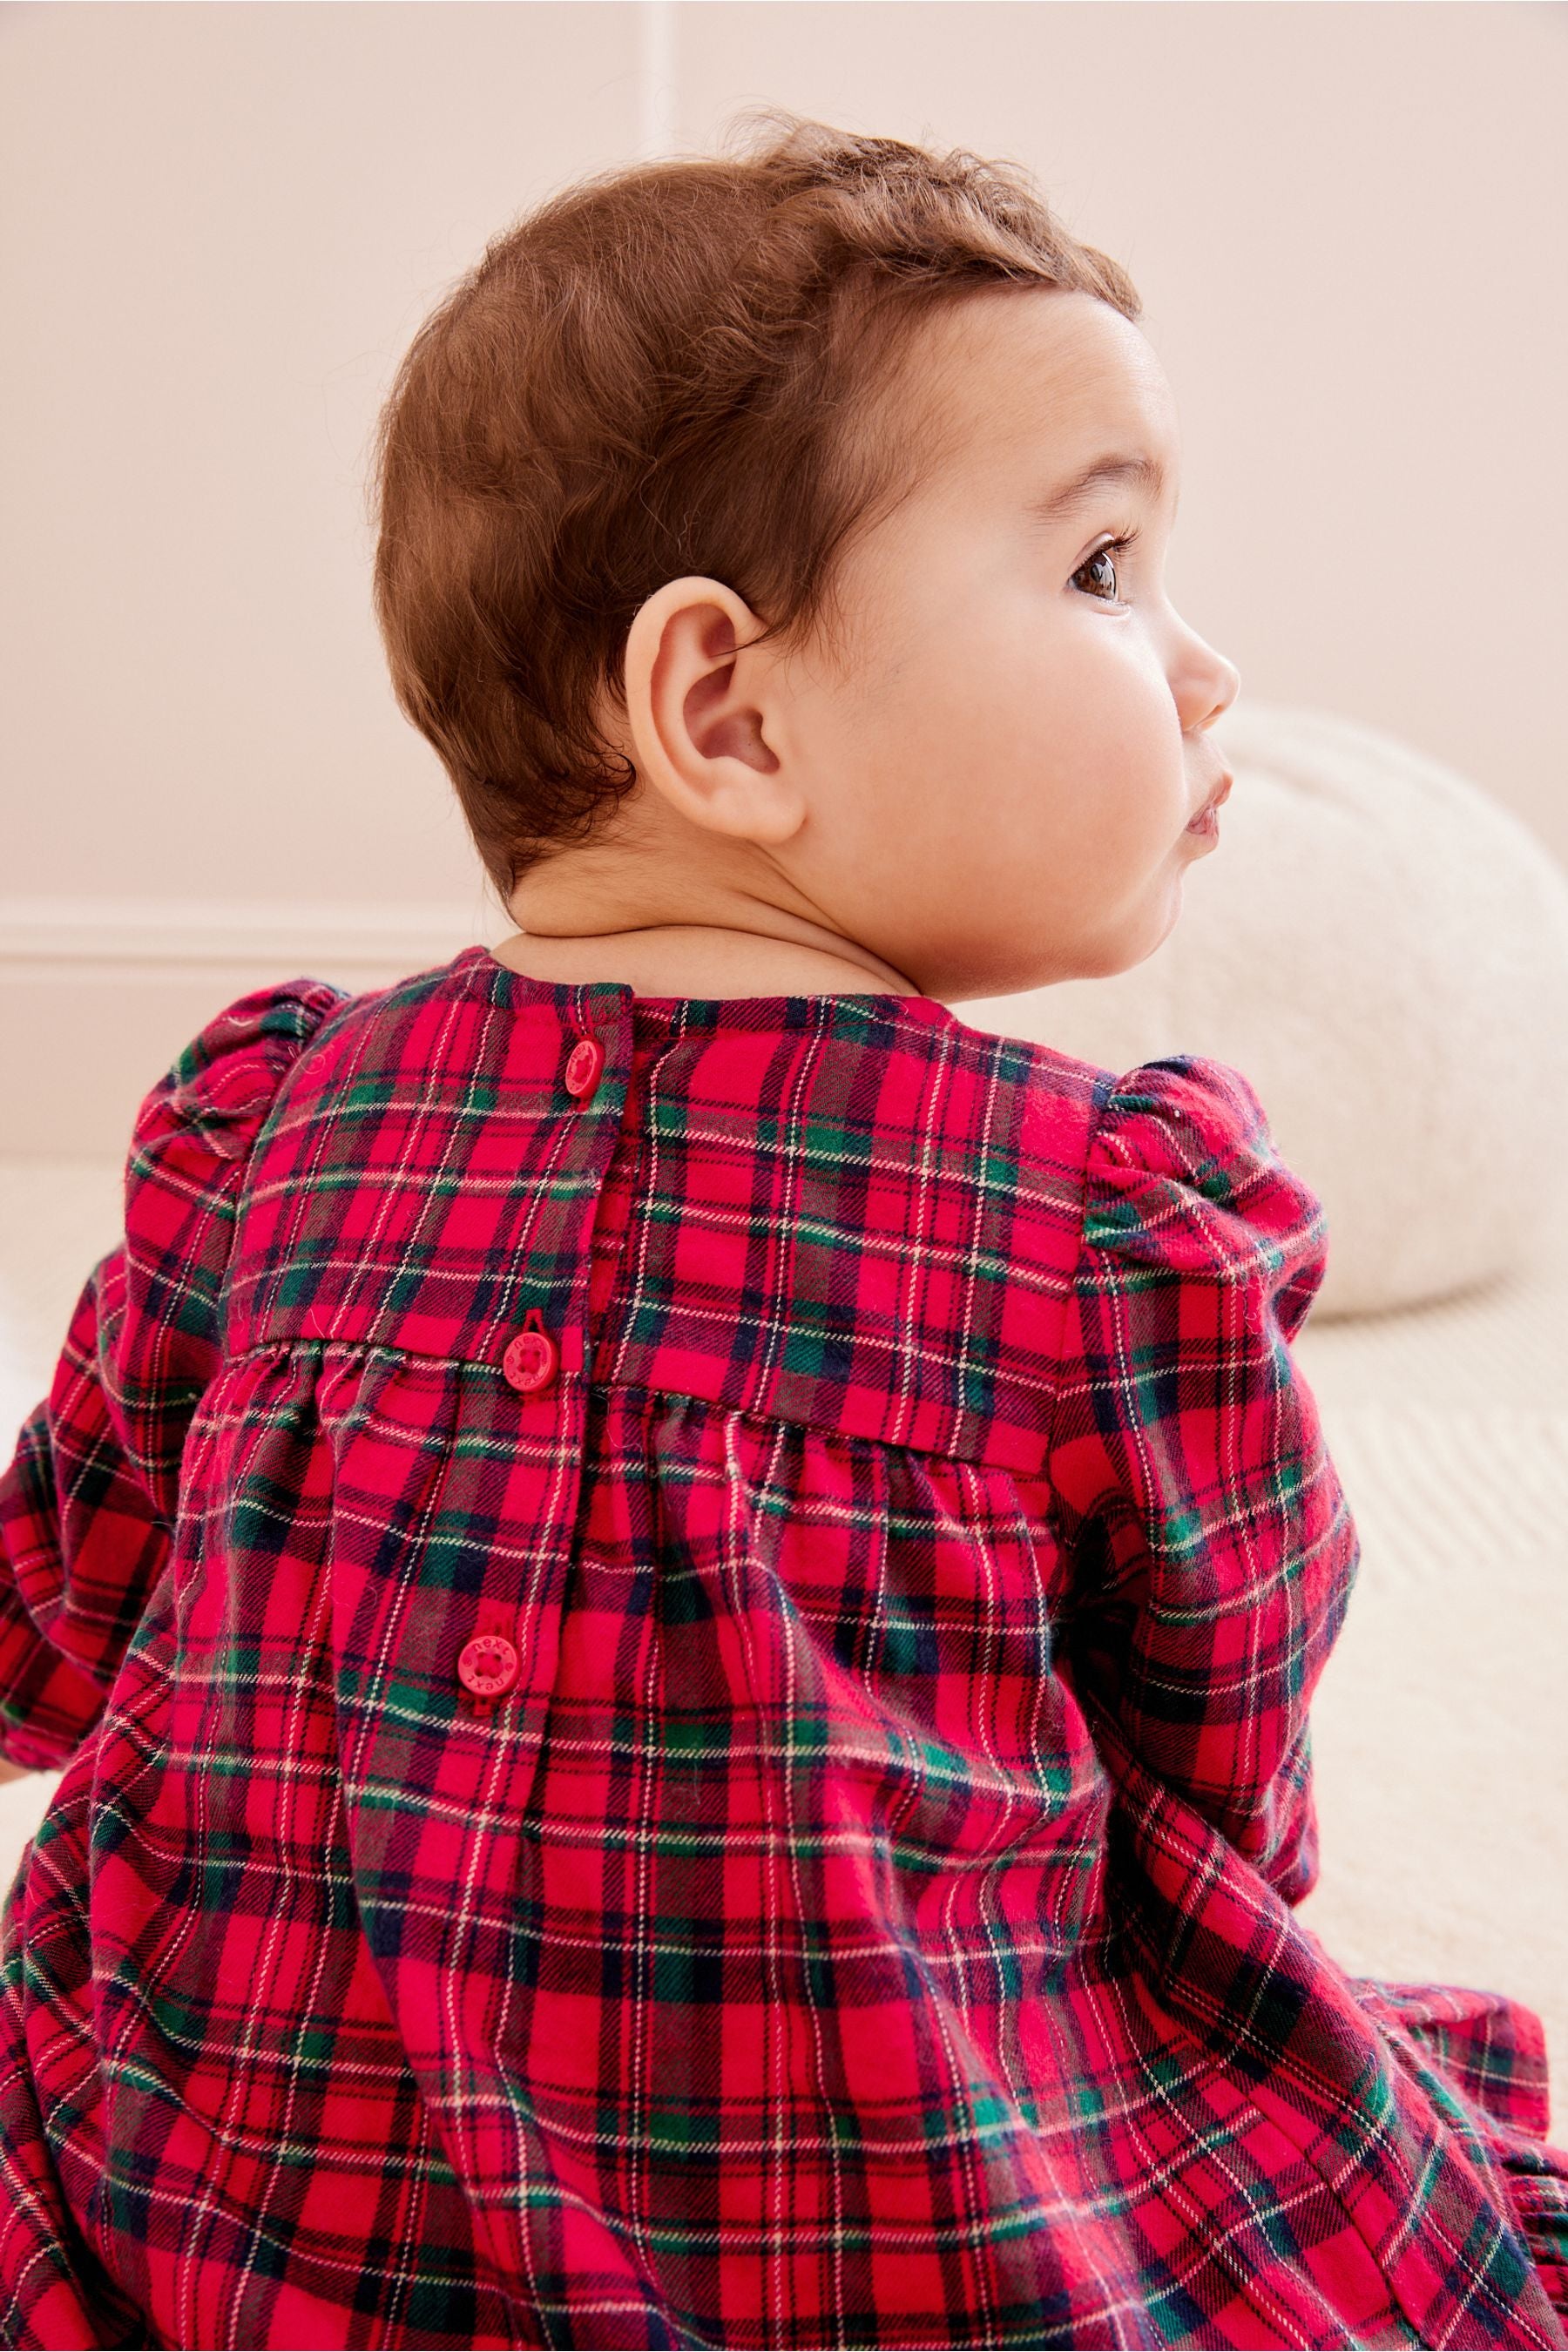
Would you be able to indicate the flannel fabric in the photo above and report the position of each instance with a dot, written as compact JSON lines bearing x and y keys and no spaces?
{"x":867,"y":1917}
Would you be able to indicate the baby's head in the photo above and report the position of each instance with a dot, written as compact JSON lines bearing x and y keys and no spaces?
{"x":737,"y":558}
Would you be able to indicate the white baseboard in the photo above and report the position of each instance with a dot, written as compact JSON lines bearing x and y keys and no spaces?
{"x":180,"y":932}
{"x":99,"y":995}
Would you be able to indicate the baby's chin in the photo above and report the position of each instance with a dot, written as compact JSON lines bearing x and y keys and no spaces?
{"x":1156,"y":919}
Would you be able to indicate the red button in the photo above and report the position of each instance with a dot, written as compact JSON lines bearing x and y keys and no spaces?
{"x":489,"y":1665}
{"x":531,"y":1361}
{"x":584,"y":1065}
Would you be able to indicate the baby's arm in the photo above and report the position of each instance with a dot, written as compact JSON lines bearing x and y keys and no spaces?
{"x":89,"y":1505}
{"x":1212,"y":1548}
{"x":81,"y":1536}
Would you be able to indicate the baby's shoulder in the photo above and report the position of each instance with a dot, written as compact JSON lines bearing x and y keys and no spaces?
{"x":1174,"y":1159}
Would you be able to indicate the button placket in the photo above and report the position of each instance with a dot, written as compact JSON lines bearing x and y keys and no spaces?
{"x":532,"y":1361}
{"x":500,"y":1658}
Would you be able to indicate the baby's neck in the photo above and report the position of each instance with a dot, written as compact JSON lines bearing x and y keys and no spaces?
{"x":688,"y":959}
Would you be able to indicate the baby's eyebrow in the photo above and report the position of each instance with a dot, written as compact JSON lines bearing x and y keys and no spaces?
{"x":1144,"y":472}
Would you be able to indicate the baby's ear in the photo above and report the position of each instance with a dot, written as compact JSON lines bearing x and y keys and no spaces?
{"x":697,"y":709}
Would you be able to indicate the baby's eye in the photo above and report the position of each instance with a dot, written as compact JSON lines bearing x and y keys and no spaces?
{"x":1102,"y":558}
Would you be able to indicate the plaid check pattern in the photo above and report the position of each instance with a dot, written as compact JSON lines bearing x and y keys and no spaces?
{"x":867,"y":1918}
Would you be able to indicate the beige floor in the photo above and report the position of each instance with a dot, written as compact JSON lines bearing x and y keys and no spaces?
{"x":1439,"y":1730}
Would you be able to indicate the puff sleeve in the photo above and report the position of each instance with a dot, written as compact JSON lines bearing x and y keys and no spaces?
{"x":1210,"y":1547}
{"x":88,"y":1502}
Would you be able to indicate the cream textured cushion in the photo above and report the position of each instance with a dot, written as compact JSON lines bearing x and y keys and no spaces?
{"x":1382,"y":948}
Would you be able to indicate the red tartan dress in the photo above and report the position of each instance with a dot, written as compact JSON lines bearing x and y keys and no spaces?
{"x":683,"y":1691}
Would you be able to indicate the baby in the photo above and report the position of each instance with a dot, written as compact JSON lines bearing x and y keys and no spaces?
{"x":677,"y":1595}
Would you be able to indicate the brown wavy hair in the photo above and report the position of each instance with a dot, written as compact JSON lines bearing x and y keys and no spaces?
{"x":686,"y":365}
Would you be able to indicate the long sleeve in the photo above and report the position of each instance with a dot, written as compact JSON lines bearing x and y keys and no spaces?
{"x":88,"y":1502}
{"x":1212,"y":1550}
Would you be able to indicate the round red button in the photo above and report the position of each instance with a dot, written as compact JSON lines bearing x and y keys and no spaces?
{"x":532,"y":1359}
{"x":584,"y":1065}
{"x":489,"y":1665}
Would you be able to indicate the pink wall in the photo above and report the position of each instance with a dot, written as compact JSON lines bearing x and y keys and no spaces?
{"x":220,"y":226}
